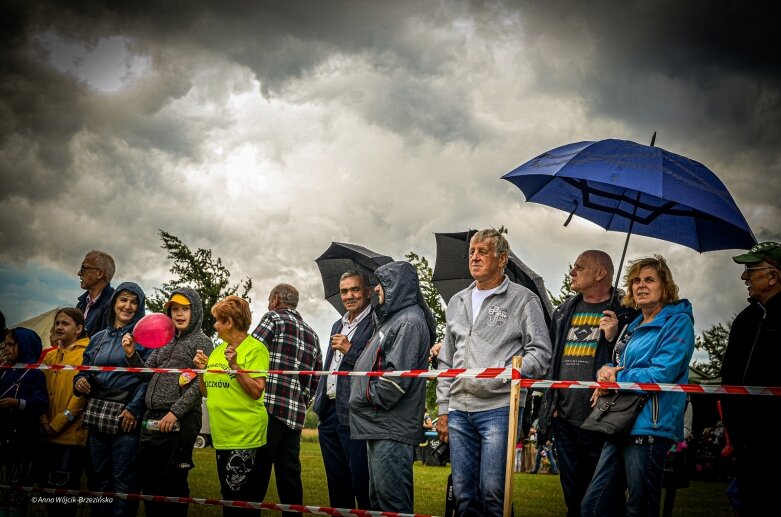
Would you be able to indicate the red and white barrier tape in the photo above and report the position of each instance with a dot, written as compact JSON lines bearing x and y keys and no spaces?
{"x":88,"y":497}
{"x":471,"y":373}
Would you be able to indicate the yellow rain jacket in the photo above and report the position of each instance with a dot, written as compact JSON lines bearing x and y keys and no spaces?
{"x":59,"y":386}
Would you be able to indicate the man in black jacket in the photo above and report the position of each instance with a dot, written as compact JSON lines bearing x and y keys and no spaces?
{"x":346,"y":466}
{"x":752,"y":358}
{"x":96,"y":271}
{"x":583,"y":330}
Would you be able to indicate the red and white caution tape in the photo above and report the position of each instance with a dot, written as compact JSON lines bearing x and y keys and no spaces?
{"x":471,"y":373}
{"x":89,"y":497}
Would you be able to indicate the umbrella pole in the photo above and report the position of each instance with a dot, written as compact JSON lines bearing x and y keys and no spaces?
{"x":613,"y":302}
{"x":614,"y":297}
{"x":512,"y":437}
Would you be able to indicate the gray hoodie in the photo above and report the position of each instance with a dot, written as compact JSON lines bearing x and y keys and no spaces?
{"x":510,"y":323}
{"x":164,"y":390}
{"x":391,"y":408}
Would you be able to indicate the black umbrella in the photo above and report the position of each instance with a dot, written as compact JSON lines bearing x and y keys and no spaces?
{"x":341,"y":257}
{"x":451,"y":271}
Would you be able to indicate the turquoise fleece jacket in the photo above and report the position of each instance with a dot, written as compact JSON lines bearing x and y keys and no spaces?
{"x":660,"y":352}
{"x":510,"y":323}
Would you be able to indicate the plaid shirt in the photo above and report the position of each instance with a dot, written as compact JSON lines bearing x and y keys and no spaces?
{"x":292,"y":345}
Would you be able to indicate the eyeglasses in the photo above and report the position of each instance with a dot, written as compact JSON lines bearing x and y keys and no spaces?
{"x":756,"y":268}
{"x":84,"y":268}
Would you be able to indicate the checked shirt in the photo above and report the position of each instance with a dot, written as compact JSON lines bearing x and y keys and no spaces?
{"x":292,"y":345}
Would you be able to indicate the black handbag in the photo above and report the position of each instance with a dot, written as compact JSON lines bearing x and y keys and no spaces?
{"x":615,"y":413}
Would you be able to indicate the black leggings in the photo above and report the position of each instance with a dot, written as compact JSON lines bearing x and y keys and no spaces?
{"x":239,"y":473}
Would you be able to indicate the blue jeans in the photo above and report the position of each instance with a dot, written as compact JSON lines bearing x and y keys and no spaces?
{"x":390,"y":475}
{"x":478,"y":452}
{"x":116,"y":469}
{"x":635,"y":464}
{"x":579,"y":452}
{"x":554,"y":469}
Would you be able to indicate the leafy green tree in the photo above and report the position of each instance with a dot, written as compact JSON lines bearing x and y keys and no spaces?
{"x":434,"y":301}
{"x":714,"y":342}
{"x":201,"y":271}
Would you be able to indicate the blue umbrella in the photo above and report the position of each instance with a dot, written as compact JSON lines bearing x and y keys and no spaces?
{"x":627,"y":187}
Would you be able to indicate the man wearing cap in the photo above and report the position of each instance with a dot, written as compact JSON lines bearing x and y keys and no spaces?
{"x":346,"y":464}
{"x":96,"y":271}
{"x":753,"y":358}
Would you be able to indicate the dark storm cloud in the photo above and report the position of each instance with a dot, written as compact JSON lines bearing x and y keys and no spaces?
{"x":707,"y":69}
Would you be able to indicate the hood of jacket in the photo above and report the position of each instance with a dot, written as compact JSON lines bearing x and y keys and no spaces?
{"x":28,"y":344}
{"x":196,"y":309}
{"x":135,"y":289}
{"x":401,"y":287}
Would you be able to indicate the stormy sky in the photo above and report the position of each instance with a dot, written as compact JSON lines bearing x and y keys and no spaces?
{"x":266,"y":130}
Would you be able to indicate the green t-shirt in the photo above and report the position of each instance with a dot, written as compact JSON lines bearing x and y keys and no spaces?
{"x":236,"y":420}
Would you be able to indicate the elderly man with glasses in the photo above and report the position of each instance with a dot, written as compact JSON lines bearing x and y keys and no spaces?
{"x":753,"y":358}
{"x":96,"y":271}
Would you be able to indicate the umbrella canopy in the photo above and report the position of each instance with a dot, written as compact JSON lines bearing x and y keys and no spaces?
{"x":451,"y":270}
{"x":342,"y":257}
{"x":627,"y":187}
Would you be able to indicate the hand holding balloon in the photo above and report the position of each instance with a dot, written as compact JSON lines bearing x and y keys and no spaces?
{"x":129,"y":345}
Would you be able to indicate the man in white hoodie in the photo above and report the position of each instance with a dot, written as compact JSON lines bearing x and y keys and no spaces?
{"x":488,"y":323}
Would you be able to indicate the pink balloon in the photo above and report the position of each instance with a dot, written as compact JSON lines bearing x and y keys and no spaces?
{"x":153,"y":330}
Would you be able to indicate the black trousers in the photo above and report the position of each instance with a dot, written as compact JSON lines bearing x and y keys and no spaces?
{"x":282,"y":451}
{"x":239,"y":475}
{"x":166,"y":460}
{"x":346,"y":463}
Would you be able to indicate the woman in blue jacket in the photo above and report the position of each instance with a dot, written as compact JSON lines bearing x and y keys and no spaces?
{"x":655,"y":348}
{"x":114,"y":457}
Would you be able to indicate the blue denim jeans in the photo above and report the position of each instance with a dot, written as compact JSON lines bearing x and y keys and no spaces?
{"x":478,"y":452}
{"x":116,"y":469}
{"x":579,"y":451}
{"x":635,"y":465}
{"x":390,"y":475}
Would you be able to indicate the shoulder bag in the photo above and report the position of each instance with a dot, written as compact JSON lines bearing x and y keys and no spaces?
{"x":101,"y":413}
{"x":615,"y":413}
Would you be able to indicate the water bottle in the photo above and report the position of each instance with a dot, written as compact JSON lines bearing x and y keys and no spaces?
{"x":154,"y":425}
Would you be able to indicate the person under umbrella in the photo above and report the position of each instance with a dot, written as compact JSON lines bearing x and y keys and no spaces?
{"x":655,"y":348}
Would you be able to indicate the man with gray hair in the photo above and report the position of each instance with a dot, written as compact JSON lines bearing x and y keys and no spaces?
{"x":488,"y":323}
{"x":292,"y":345}
{"x":96,"y":271}
{"x":345,"y":460}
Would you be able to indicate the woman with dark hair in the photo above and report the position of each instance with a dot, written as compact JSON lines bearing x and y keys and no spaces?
{"x":237,"y":415}
{"x":63,"y":462}
{"x":114,"y":449}
{"x":22,"y":402}
{"x":655,"y":348}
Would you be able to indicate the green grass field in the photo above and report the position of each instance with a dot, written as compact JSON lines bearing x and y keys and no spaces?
{"x":533,"y":495}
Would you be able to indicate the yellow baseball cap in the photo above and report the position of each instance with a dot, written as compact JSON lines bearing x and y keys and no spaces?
{"x":177,"y":298}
